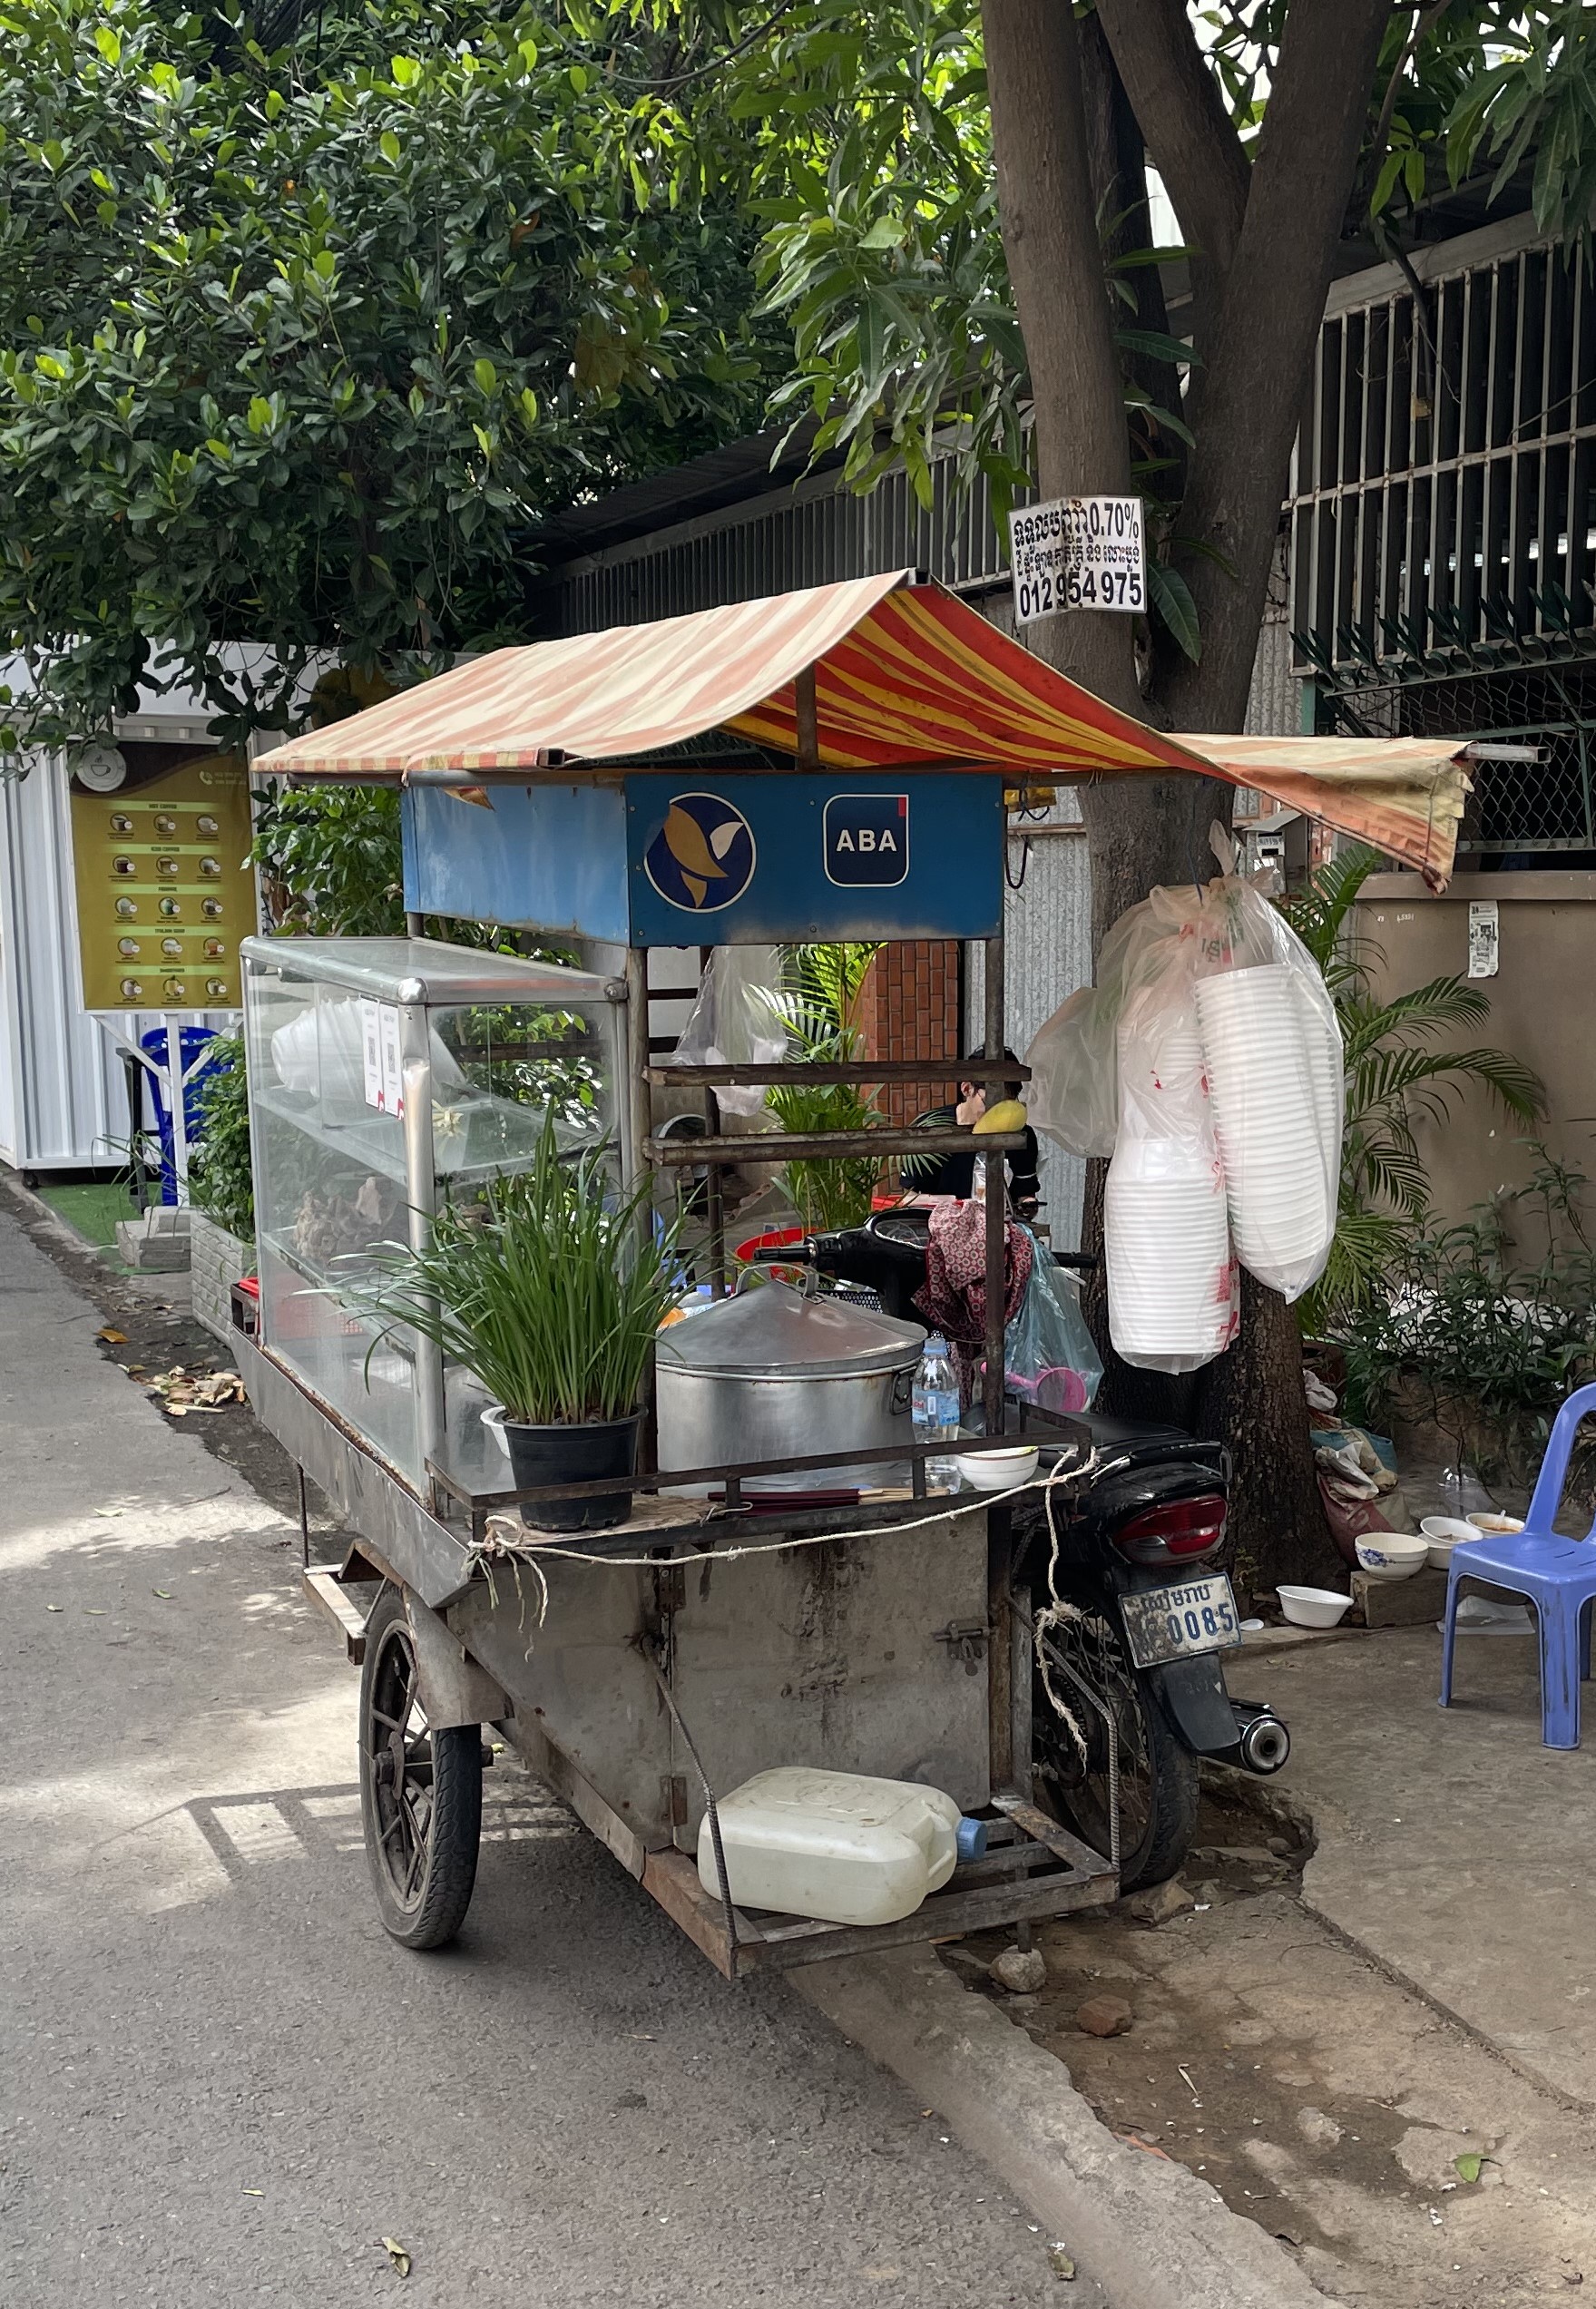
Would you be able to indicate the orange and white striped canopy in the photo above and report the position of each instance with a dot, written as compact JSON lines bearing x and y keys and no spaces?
{"x":906,"y":676}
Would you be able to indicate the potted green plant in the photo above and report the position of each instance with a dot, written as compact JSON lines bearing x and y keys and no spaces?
{"x":549,"y":1290}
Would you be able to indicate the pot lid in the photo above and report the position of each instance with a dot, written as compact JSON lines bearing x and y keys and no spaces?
{"x":775,"y":1332}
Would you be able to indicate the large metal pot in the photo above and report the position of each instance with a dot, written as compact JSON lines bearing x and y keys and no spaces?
{"x":774,"y":1373}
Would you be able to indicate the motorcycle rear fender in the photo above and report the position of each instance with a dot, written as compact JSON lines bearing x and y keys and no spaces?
{"x":1193,"y":1695}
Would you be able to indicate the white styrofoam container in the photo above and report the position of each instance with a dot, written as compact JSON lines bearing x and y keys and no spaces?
{"x":836,"y":1846}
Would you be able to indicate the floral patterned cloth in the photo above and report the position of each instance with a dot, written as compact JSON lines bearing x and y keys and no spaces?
{"x":953,"y":1295}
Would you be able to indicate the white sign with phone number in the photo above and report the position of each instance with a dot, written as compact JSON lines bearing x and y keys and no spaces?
{"x":1077,"y":554}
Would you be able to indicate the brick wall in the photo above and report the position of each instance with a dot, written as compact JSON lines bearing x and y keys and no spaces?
{"x":909,"y":1008}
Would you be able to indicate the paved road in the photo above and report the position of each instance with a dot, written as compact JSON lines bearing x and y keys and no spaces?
{"x":220,"y":2082}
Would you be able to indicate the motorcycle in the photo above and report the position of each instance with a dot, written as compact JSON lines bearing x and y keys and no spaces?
{"x":1118,"y":1576}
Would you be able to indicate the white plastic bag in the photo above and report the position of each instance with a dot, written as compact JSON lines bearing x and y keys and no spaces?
{"x":737,"y":1021}
{"x":1073,"y":1094}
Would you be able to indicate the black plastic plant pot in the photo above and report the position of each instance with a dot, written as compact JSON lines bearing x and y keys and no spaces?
{"x":540,"y":1455}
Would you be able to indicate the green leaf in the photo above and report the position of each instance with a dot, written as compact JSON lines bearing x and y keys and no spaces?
{"x":486,"y":376}
{"x":886,"y":232}
{"x":1469,"y":2165}
{"x":1171,"y":601}
{"x":109,"y":44}
{"x":388,"y":144}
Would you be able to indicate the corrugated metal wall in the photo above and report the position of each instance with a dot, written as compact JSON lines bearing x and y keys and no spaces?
{"x":61,"y":1101}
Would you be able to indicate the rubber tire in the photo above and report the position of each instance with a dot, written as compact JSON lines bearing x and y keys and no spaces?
{"x":455,"y":1831}
{"x":1171,"y":1820}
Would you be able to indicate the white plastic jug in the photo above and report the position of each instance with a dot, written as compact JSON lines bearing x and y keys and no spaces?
{"x":835,"y":1845}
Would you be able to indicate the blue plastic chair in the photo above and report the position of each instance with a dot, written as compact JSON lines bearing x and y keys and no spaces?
{"x":1558,"y":1576}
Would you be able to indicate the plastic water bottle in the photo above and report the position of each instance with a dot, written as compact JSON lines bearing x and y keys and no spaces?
{"x":937,"y":1406}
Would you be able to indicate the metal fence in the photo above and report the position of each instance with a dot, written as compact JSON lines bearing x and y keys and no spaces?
{"x":1444,"y":523}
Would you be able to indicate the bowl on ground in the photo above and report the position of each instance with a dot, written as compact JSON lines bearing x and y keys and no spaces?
{"x":1314,"y":1607}
{"x":997,"y":1471}
{"x":1442,"y":1534}
{"x":1492,"y":1524}
{"x":1391,"y":1555}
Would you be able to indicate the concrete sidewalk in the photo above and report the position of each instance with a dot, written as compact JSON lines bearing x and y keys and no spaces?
{"x":1453,"y":1846}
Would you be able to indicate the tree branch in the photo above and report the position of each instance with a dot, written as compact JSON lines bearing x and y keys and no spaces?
{"x":1056,"y":264}
{"x":1191,"y":135}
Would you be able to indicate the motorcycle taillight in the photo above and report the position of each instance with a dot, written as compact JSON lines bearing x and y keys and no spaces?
{"x":1175,"y":1532}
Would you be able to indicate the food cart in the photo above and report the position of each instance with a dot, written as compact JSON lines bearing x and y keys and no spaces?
{"x":822,"y":766}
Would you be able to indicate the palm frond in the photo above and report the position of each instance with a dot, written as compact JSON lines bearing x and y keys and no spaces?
{"x":1433,"y":1009}
{"x":1383,"y":1078}
{"x":1319,"y":914}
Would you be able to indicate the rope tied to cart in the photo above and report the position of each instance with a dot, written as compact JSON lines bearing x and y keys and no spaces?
{"x":499,"y":1545}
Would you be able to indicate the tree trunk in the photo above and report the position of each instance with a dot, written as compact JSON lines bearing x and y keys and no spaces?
{"x":1269,"y":242}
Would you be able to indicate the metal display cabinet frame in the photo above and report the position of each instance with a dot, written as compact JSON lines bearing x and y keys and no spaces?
{"x":884,"y":1638}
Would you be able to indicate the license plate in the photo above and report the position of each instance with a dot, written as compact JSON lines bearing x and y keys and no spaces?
{"x":1175,"y":1623}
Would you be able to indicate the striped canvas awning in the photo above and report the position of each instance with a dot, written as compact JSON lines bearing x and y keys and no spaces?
{"x":906,"y":676}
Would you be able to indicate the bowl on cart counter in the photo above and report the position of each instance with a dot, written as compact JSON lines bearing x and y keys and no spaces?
{"x":1490,"y":1524}
{"x":1442,"y":1534}
{"x":997,"y":1471}
{"x":1391,"y":1555}
{"x":1314,"y":1607}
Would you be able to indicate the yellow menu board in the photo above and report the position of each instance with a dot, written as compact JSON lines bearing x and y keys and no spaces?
{"x":164,"y":892}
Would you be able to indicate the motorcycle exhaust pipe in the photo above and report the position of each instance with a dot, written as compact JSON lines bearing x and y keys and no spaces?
{"x":1262,"y":1741}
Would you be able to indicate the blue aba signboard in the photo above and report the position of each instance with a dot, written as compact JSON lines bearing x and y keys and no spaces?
{"x":688,"y":858}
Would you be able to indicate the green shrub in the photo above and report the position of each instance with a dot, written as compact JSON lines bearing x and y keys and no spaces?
{"x":221,"y":1181}
{"x":1470,"y":1331}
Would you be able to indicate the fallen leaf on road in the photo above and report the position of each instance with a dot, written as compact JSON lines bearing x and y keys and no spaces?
{"x":55,"y":1607}
{"x":1135,"y":2140}
{"x":254,"y":2192}
{"x":110,"y":1511}
{"x":1060,"y":2263}
{"x":95,"y":1610}
{"x":164,"y":1593}
{"x":112,"y":1338}
{"x":1469,"y":2165}
{"x":397,"y":2256}
{"x":183,"y":1390}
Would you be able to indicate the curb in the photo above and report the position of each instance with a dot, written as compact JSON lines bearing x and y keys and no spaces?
{"x":1150,"y":2233}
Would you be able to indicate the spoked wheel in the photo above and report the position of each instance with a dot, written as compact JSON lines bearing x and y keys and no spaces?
{"x":1156,"y":1773}
{"x":420,"y":1791}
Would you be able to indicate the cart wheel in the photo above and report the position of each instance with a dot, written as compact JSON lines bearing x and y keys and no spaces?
{"x":1158,"y":1779}
{"x":420,"y":1791}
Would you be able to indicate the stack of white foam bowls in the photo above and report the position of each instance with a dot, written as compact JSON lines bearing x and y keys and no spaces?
{"x":1165,"y":1231}
{"x":1272,"y":1088}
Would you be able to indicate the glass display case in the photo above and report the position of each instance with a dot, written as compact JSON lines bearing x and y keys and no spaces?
{"x":387,"y":1076}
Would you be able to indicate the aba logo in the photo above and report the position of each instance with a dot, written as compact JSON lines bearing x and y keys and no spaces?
{"x":867,"y":840}
{"x":703,"y":858}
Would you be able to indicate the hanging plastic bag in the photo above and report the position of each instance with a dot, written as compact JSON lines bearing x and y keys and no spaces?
{"x":1049,"y":1355}
{"x":1073,"y":1095}
{"x":737,"y":1021}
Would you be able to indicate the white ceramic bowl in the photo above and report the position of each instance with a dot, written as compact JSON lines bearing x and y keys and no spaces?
{"x":1489,"y":1523}
{"x":1391,"y":1555}
{"x":1314,"y":1607}
{"x":1442,"y":1534}
{"x":996,"y":1470}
